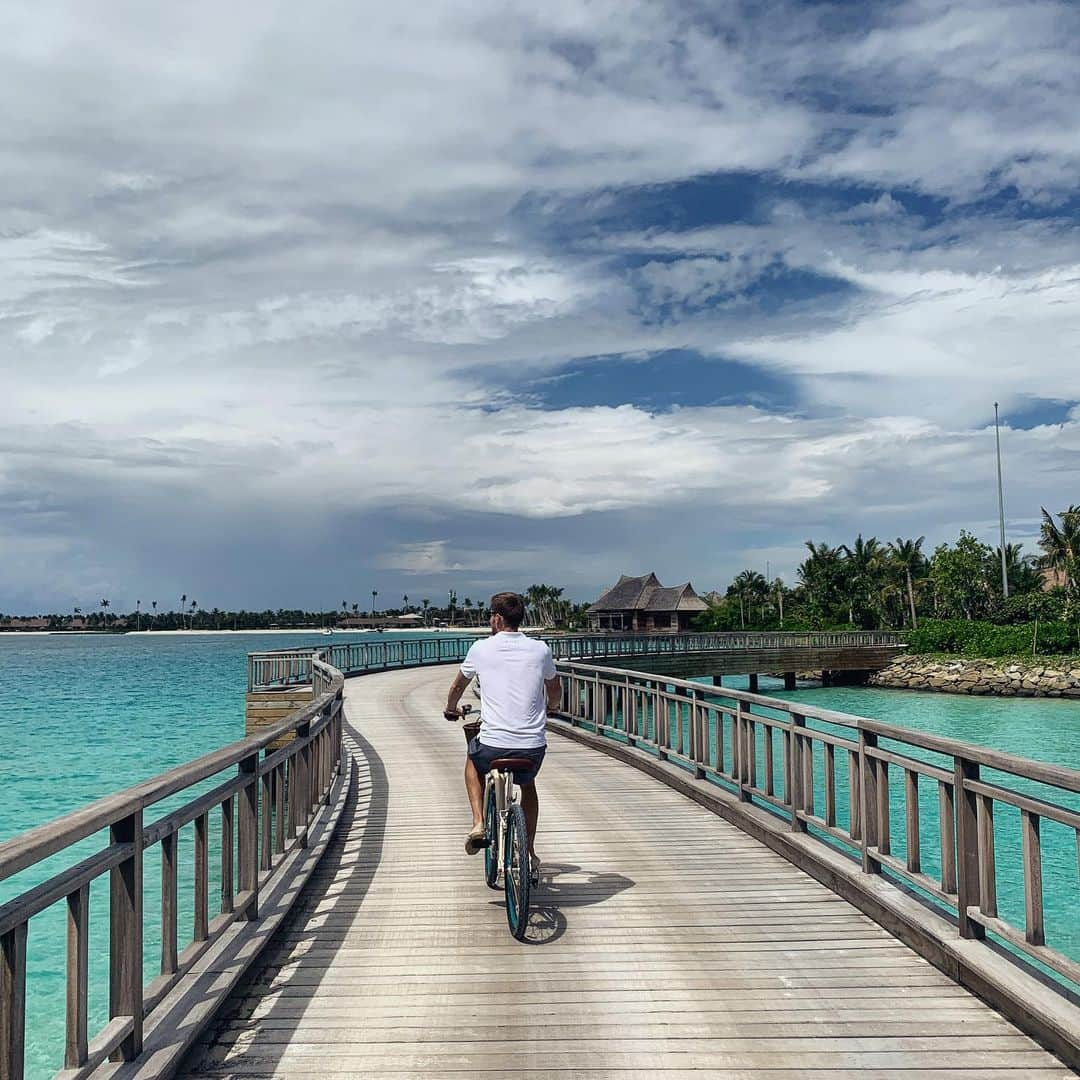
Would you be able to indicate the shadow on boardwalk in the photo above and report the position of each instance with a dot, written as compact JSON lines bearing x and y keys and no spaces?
{"x":547,"y":923}
{"x":232,"y":1041}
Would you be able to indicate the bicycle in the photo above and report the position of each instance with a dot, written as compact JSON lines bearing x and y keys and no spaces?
{"x":506,"y":839}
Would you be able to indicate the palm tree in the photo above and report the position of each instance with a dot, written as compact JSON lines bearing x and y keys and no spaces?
{"x":821,"y":576}
{"x":153,"y":617}
{"x":104,"y":611}
{"x":183,"y":605}
{"x":138,"y":614}
{"x":467,"y":605}
{"x":78,"y":611}
{"x":426,"y":604}
{"x":748,"y":585}
{"x":543,"y":602}
{"x":374,"y":594}
{"x":356,"y":611}
{"x":191,"y":621}
{"x":405,"y":604}
{"x":1061,"y":547}
{"x":863,"y":563}
{"x":778,"y":587}
{"x":1021,"y":570}
{"x":907,"y":555}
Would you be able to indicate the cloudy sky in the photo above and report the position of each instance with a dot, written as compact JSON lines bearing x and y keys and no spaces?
{"x":298,"y":301}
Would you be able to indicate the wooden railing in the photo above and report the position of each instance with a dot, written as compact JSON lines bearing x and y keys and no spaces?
{"x":600,"y":646}
{"x":784,"y":756}
{"x":266,"y":808}
{"x":292,"y":666}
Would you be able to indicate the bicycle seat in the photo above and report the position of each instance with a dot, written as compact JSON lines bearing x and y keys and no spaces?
{"x":513,"y":764}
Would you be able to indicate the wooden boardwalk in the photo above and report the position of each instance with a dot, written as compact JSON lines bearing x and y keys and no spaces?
{"x":665,"y":941}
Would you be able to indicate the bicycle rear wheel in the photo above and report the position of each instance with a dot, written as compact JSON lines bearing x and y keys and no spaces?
{"x":491,"y":831}
{"x":516,"y":880}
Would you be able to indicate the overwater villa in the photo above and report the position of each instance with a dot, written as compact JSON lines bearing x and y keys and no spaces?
{"x":643,"y":604}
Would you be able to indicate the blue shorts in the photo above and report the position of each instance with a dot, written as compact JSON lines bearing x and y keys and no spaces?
{"x":482,"y":756}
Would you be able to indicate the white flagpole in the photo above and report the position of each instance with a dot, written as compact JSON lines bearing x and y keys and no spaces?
{"x":1001,"y":508}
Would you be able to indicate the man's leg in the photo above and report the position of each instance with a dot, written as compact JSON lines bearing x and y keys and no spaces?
{"x":531,"y":805}
{"x":475,"y":787}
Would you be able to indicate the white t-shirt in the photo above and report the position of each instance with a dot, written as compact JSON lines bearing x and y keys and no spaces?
{"x":512,"y":670}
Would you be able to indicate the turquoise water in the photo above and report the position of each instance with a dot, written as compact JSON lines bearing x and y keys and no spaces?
{"x":81,"y":717}
{"x":84,"y":716}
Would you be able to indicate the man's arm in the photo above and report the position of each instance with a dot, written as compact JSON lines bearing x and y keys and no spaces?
{"x":457,"y":688}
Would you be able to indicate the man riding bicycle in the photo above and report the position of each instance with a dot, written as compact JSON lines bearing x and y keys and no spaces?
{"x":518,"y":685}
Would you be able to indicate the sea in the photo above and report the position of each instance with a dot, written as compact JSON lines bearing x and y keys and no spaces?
{"x":83,"y":716}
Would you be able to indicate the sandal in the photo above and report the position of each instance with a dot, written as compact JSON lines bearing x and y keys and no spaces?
{"x":475,"y":841}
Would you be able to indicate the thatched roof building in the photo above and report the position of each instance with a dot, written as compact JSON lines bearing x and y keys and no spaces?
{"x":643,"y":604}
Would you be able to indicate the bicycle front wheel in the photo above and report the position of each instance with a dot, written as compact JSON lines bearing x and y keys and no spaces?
{"x":516,"y":872}
{"x":491,"y":831}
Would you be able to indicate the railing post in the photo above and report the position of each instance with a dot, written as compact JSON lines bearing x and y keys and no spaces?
{"x":126,"y":935}
{"x":227,"y":856}
{"x":303,"y":785}
{"x":248,"y":836}
{"x":78,"y":967}
{"x":799,"y":747}
{"x":967,"y":843}
{"x":1034,"y":929}
{"x":738,"y":752}
{"x":699,"y":736}
{"x":13,"y":1003}
{"x":868,"y":791}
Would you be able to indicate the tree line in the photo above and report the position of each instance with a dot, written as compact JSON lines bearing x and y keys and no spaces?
{"x":545,"y":606}
{"x":875,"y":585}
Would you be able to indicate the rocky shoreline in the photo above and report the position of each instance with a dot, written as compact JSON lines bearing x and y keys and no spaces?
{"x":1006,"y":678}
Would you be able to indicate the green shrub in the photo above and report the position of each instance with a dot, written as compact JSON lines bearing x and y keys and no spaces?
{"x":937,"y":636}
{"x":1058,"y":637}
{"x":977,"y":638}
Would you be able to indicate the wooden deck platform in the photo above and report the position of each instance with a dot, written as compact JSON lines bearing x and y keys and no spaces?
{"x":665,"y":942}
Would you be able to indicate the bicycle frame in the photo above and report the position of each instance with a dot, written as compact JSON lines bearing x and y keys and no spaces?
{"x":503,"y":785}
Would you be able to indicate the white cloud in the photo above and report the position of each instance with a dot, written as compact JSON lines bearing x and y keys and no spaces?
{"x":427,"y":557}
{"x":254,"y":262}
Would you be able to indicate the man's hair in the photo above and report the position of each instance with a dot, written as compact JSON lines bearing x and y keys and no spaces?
{"x":510,"y":606}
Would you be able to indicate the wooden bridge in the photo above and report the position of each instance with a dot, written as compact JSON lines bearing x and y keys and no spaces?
{"x":721,"y":896}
